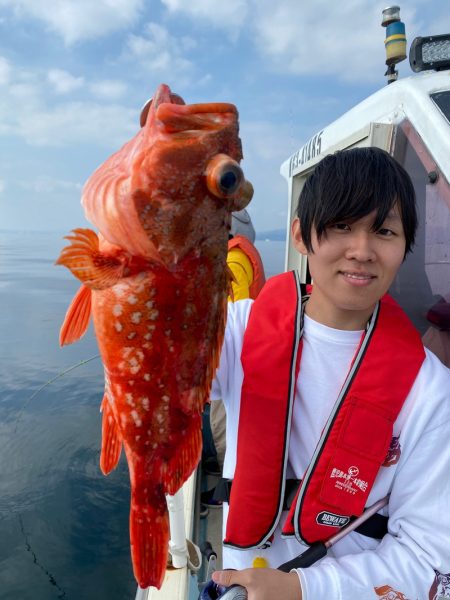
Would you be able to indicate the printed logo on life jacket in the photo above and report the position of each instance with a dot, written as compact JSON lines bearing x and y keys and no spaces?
{"x":349,"y":482}
{"x":332,"y":520}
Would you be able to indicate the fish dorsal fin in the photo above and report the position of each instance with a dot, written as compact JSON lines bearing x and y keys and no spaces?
{"x":92,"y":267}
{"x":77,"y":317}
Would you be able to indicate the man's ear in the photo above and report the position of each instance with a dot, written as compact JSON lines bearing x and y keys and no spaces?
{"x":297,"y":239}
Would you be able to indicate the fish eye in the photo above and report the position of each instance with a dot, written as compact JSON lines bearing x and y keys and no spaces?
{"x":224,"y":176}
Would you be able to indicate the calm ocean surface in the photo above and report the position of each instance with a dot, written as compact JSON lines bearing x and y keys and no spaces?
{"x":63,"y":525}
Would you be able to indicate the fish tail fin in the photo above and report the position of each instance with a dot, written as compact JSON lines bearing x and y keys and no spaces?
{"x":149,"y":535}
{"x":77,"y":317}
{"x":111,"y":439}
{"x":187,"y":457}
{"x":88,"y":264}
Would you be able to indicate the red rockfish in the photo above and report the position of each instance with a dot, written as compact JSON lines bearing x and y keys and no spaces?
{"x":156,"y":282}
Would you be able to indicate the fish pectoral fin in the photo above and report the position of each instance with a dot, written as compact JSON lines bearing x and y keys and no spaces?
{"x":87,"y":263}
{"x":77,"y":317}
{"x":111,"y":439}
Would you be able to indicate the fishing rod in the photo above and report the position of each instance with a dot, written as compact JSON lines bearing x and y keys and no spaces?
{"x":214,"y":591}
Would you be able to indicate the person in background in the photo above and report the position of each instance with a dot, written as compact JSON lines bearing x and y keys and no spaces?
{"x":244,"y":261}
{"x":334,"y":404}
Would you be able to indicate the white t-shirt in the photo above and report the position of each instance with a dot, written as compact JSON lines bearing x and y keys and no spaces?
{"x":418,"y":542}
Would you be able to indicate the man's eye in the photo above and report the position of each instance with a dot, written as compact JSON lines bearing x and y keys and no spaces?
{"x":386,"y":232}
{"x":340,"y":226}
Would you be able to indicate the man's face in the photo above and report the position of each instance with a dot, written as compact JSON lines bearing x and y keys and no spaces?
{"x":352,"y":267}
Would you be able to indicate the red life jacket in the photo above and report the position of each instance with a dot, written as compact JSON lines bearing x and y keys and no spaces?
{"x":354,"y":441}
{"x":259,"y":279}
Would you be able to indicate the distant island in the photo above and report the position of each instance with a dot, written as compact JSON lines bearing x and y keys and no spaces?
{"x":275,"y":235}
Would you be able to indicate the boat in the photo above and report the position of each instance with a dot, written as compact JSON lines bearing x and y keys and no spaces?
{"x":409,"y":118}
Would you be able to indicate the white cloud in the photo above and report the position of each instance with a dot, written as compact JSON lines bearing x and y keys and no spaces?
{"x":76,"y":20}
{"x":47,"y":185}
{"x":226,"y":15}
{"x":343,"y":39}
{"x":159,"y":52}
{"x":26,"y":112}
{"x":5,"y":71}
{"x":108,"y":89}
{"x":63,"y":82}
{"x":79,"y":122}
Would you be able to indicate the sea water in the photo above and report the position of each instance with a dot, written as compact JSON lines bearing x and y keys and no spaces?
{"x":63,"y":525}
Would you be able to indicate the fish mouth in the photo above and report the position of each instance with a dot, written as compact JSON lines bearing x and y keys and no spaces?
{"x":162,"y":95}
{"x":175,"y":116}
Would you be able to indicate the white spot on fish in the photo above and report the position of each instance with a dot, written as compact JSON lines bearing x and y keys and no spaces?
{"x":147,"y":376}
{"x":167,"y":332}
{"x":121,"y":365}
{"x":129,"y":399}
{"x":123,"y":420}
{"x":120,"y":289}
{"x":134,"y":370}
{"x":148,"y":336}
{"x":161,"y":430}
{"x":150,"y":304}
{"x":140,"y":354}
{"x":154,"y":445}
{"x":127,"y":351}
{"x":165,"y":399}
{"x":133,"y":362}
{"x":117,"y":310}
{"x":118,"y":326}
{"x":136,"y":419}
{"x":153,"y":314}
{"x":131,"y":335}
{"x":131,"y":382}
{"x":132,"y":299}
{"x":136,"y":317}
{"x":145,"y":403}
{"x":137,"y":438}
{"x":159,"y":418}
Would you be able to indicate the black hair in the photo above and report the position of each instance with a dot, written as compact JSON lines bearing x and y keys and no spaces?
{"x":350,"y":184}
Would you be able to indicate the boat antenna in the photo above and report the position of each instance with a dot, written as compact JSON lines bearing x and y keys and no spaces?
{"x":395,"y":42}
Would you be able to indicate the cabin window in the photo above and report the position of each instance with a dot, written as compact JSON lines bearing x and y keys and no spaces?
{"x":422,"y":285}
{"x":442,"y":101}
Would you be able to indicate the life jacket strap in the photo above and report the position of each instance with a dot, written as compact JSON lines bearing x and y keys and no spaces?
{"x":375,"y":527}
{"x":223,"y":490}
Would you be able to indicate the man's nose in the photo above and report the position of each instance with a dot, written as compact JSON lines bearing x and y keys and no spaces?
{"x":360,"y":247}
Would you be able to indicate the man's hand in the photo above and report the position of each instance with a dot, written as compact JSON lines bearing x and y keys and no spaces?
{"x":262,"y":584}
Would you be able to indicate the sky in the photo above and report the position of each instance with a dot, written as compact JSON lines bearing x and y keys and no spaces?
{"x":74,"y":75}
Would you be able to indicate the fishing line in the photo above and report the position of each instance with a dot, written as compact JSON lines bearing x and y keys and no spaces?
{"x":51,"y":578}
{"x":27,"y":402}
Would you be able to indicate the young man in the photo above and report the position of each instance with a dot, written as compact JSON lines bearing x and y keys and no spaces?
{"x":335,"y":389}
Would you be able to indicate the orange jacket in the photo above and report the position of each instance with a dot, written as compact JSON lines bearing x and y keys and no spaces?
{"x":259,"y":279}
